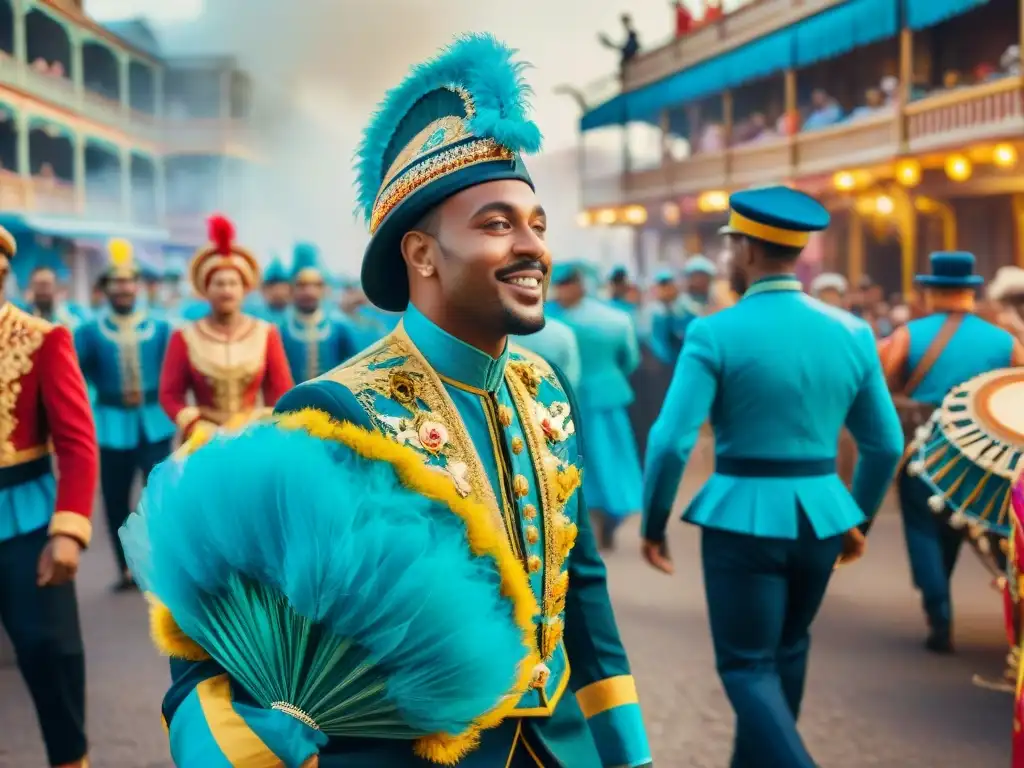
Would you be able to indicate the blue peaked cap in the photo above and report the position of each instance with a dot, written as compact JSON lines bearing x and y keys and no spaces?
{"x":275,"y":272}
{"x":458,"y":120}
{"x":777,"y":215}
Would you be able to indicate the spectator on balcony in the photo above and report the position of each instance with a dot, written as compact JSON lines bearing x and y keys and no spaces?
{"x":684,"y":19}
{"x":41,"y":65}
{"x":712,"y":138}
{"x":952,"y":80}
{"x":751,"y":129}
{"x":56,"y":69}
{"x":874,"y":103}
{"x":712,"y":12}
{"x":46,"y":171}
{"x":628,"y":49}
{"x":1009,"y":62}
{"x":890,"y":88}
{"x":825,"y":111}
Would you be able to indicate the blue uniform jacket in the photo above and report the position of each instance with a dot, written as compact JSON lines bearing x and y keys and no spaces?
{"x":779,"y":374}
{"x":556,"y":343}
{"x":503,"y":432}
{"x":121,"y":358}
{"x":609,"y":353}
{"x":315,"y":343}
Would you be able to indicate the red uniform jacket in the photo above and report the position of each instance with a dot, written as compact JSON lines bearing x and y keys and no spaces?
{"x":44,"y":408}
{"x":225,"y":375}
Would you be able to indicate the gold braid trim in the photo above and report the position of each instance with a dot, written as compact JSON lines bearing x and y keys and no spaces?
{"x":298,"y":714}
{"x":484,"y":541}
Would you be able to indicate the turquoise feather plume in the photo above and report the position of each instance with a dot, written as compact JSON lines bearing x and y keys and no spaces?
{"x":316,"y":578}
{"x":481,"y":65}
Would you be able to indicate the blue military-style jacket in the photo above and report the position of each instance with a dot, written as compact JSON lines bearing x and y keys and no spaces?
{"x":315,"y":343}
{"x":504,"y":432}
{"x":779,"y":374}
{"x":121,"y":357}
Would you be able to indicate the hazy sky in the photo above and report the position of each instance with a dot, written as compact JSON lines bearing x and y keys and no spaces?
{"x":320,"y":66}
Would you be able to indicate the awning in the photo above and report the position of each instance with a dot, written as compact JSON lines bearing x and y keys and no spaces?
{"x":72,"y":228}
{"x":926,"y":13}
{"x":611,"y":112}
{"x":844,"y":28}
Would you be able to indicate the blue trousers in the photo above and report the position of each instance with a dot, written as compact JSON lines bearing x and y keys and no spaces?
{"x":763,"y":595}
{"x":932,"y":547}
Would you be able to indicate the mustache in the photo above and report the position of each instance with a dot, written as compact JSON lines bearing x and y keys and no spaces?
{"x":521,"y":266}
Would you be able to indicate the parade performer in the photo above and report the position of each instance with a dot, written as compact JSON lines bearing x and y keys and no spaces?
{"x":661,"y":321}
{"x":1007,"y":291}
{"x":556,"y":343}
{"x":44,"y":519}
{"x":46,"y":301}
{"x":315,"y":340}
{"x":121,"y":352}
{"x":923,"y":361}
{"x":609,"y":354}
{"x":699,"y":273}
{"x":779,"y":375}
{"x":1015,"y":590}
{"x":273,"y":300}
{"x":227,"y":360}
{"x":830,"y":288}
{"x":462,"y":254}
{"x":621,"y":290}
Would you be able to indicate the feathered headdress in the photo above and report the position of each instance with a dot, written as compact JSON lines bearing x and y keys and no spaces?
{"x":121,"y":257}
{"x":222,"y":252}
{"x":400,"y":613}
{"x":306,"y":264}
{"x":458,"y":120}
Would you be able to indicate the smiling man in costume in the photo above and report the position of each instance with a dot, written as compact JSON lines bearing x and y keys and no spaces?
{"x":458,"y":246}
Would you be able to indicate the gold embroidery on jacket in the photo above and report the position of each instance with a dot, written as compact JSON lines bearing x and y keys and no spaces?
{"x":229,"y":365}
{"x":21,"y":335}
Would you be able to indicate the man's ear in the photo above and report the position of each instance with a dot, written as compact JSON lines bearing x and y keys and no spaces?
{"x":417,"y":252}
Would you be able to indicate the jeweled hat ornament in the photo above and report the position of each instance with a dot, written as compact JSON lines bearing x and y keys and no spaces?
{"x":458,"y":120}
{"x":222,"y":252}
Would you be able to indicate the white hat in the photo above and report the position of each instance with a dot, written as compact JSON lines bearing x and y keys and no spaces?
{"x":829,"y":281}
{"x":1009,"y":281}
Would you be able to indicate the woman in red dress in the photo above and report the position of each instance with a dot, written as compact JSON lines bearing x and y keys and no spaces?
{"x":233,"y":365}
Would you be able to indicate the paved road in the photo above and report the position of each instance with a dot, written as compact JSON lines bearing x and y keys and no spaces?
{"x":874,"y":697}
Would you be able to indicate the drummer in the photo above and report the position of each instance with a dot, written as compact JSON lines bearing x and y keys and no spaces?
{"x":924,"y":360}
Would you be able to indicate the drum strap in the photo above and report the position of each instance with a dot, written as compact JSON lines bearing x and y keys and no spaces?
{"x":931,"y":355}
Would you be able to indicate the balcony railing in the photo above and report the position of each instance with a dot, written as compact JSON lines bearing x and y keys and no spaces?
{"x":743,"y":25}
{"x":976,"y":114}
{"x":987,"y":111}
{"x":201,"y":137}
{"x":51,"y":195}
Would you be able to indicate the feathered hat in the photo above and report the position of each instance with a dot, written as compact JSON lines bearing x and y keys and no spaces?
{"x":458,"y":120}
{"x":306,"y":264}
{"x":275,"y":272}
{"x":121,"y":261}
{"x":222,"y":252}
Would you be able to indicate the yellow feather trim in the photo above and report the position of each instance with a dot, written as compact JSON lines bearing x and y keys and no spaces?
{"x":168,"y":637}
{"x":120,"y":251}
{"x":445,"y":749}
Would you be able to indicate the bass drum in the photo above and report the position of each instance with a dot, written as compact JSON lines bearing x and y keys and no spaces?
{"x":972,"y":450}
{"x":1012,"y":602}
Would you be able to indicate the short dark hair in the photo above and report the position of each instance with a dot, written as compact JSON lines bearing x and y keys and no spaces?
{"x":429,"y":222}
{"x":777,"y":251}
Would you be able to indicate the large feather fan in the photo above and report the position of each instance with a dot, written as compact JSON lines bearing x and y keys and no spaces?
{"x":358,"y":593}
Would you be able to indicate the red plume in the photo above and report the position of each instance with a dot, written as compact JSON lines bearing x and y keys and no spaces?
{"x":222,"y":233}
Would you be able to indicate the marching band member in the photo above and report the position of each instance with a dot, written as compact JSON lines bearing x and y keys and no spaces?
{"x":462,"y":254}
{"x":121,"y":352}
{"x":227,"y":360}
{"x":272,"y":302}
{"x":609,"y":353}
{"x":315,"y":341}
{"x":44,"y":519}
{"x":699,"y":272}
{"x":47,"y":303}
{"x":778,"y":374}
{"x":556,"y":343}
{"x":923,"y":361}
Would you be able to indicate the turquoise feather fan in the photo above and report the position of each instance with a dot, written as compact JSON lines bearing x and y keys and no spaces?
{"x":330,"y":589}
{"x":478,"y":63}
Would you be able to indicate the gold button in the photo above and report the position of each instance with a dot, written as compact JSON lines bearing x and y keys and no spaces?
{"x":517,"y":445}
{"x":529,"y":511}
{"x":532,"y":534}
{"x":520,"y":486}
{"x":505,"y":415}
{"x":533,"y":563}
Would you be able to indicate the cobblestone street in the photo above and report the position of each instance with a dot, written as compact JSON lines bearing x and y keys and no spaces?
{"x":875,"y":698}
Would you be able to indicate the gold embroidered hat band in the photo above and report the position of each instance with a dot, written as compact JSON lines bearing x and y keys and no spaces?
{"x":222,"y":252}
{"x":458,"y":120}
